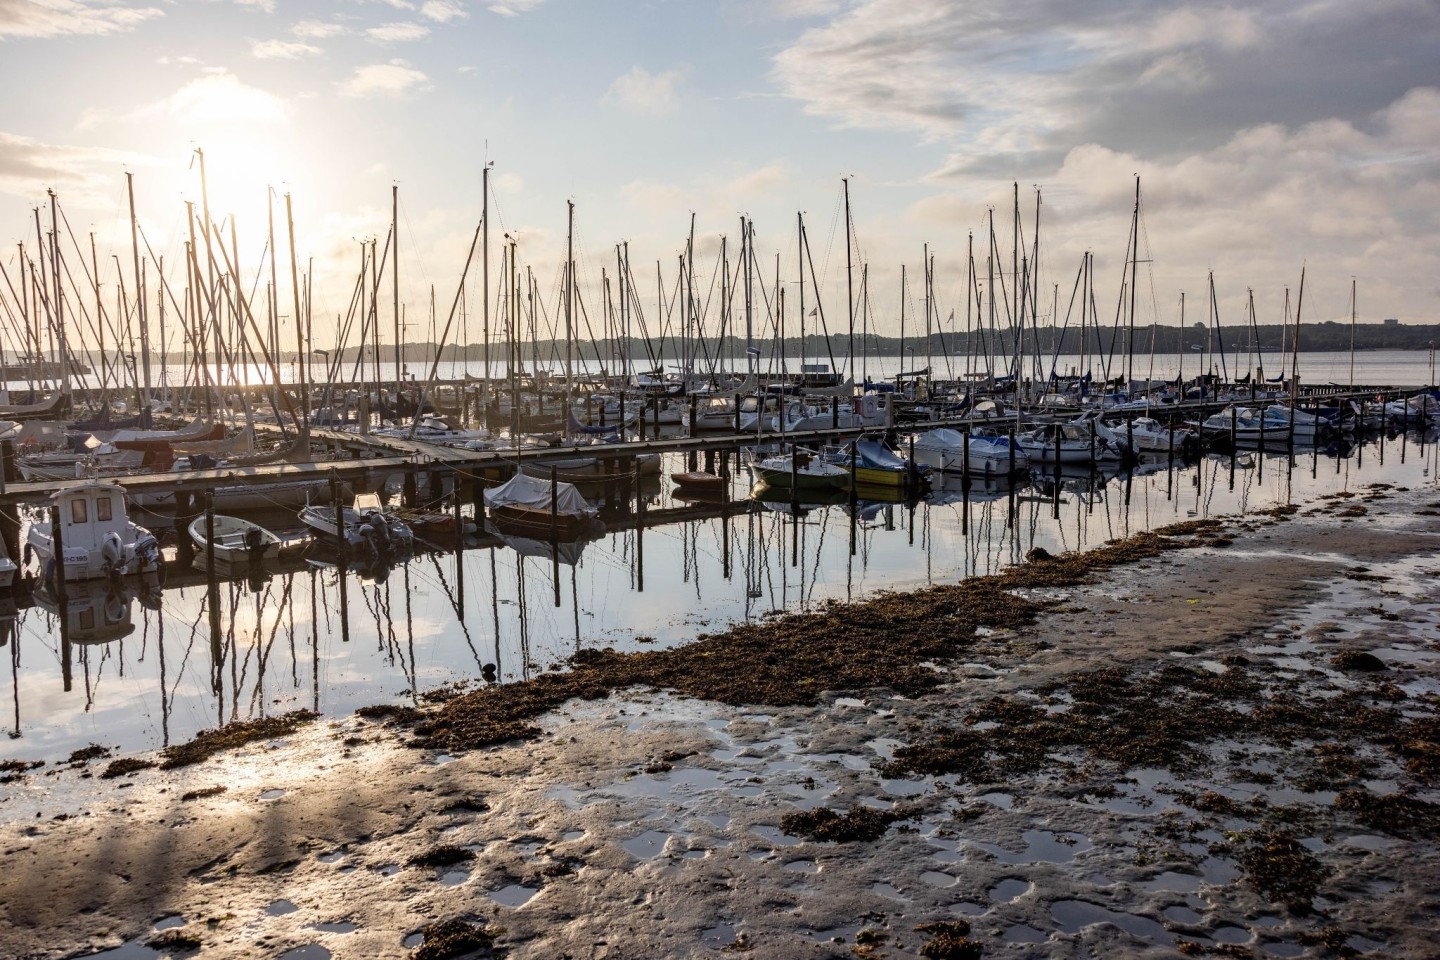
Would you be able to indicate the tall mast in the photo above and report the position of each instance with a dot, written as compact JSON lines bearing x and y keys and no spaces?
{"x":1134,"y":265}
{"x":800,"y":256}
{"x":302,"y":354}
{"x":394,"y":285}
{"x":484,"y":278}
{"x":569,"y":299}
{"x":1353,"y":308}
{"x":1295,"y":357}
{"x":64,"y":352}
{"x":849,"y":281}
{"x":140,"y":292}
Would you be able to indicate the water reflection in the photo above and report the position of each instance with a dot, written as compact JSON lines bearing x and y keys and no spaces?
{"x":135,"y":666}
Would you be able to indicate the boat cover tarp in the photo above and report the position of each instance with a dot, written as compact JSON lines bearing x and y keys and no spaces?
{"x":527,"y":491}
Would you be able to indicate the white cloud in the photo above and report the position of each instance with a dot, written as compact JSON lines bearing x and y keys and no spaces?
{"x":443,"y":11}
{"x":215,"y":97}
{"x":54,"y":18}
{"x":642,"y":92}
{"x":394,"y":79}
{"x":317,"y":29}
{"x":513,"y":8}
{"x":85,"y":175}
{"x":268,"y":6}
{"x":398,"y":32}
{"x":282,"y":50}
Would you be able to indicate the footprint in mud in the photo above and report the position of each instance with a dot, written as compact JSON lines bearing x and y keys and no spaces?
{"x":279,"y":908}
{"x":802,"y":866}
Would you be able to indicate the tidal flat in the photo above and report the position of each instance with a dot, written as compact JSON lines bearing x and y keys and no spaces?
{"x":1217,"y":738}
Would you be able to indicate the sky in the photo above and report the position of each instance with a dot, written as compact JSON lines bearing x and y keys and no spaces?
{"x":1267,"y":137}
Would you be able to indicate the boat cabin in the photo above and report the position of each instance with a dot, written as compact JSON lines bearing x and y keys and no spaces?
{"x":89,"y":513}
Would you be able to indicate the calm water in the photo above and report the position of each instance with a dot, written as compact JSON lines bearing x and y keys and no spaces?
{"x":294,"y":641}
{"x":1394,"y":367}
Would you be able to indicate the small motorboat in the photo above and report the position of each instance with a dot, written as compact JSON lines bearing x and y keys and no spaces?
{"x":526,"y":506}
{"x":365,"y":523}
{"x":236,"y":541}
{"x":699,"y":481}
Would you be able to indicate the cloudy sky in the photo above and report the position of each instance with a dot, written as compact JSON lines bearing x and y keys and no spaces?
{"x":1266,"y":136}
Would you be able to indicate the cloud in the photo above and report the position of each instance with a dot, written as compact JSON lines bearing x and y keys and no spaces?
{"x":317,"y":29}
{"x":514,"y":8}
{"x":267,"y":6}
{"x":55,"y":18}
{"x":1006,"y":82}
{"x":645,"y":93}
{"x":83,"y":174}
{"x":282,"y":50}
{"x":217,"y":96}
{"x":443,"y":11}
{"x":394,"y":79}
{"x":398,"y":32}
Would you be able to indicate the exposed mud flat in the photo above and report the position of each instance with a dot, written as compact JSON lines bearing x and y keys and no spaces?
{"x":1213,"y":741}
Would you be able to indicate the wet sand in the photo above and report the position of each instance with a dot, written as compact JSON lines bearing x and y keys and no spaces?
{"x":1184,"y":755}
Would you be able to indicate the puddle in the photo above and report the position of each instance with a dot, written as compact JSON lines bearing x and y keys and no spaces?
{"x":1042,"y":846}
{"x":412,"y":941}
{"x":1282,"y":948}
{"x":127,"y":951}
{"x":937,"y":879}
{"x":311,"y":951}
{"x":1183,"y":914}
{"x":1071,"y":915}
{"x":1367,"y":842}
{"x":331,"y":857}
{"x":1172,"y":882}
{"x":1020,"y":933}
{"x":1008,"y":890}
{"x":965,"y":908}
{"x":279,"y":908}
{"x":888,"y":891}
{"x":166,"y":923}
{"x":454,"y":877}
{"x":648,"y":844}
{"x":720,"y":935}
{"x":388,"y":870}
{"x":998,"y":799}
{"x":1231,"y":934}
{"x":272,"y":794}
{"x":338,"y":926}
{"x":572,"y":835}
{"x":802,"y":866}
{"x":513,"y":895}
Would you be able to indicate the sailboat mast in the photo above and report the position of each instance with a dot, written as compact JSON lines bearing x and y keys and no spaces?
{"x":484,"y":284}
{"x":394,"y":283}
{"x":569,"y":297}
{"x":849,"y":280}
{"x":1134,"y":265}
{"x":139,"y":292}
{"x":301,"y":353}
{"x":1353,"y":308}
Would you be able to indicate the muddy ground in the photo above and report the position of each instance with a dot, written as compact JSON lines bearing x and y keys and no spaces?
{"x":1221,"y":741}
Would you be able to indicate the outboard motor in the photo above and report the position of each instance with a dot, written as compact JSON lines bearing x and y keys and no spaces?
{"x":147,"y":550}
{"x":112,"y":551}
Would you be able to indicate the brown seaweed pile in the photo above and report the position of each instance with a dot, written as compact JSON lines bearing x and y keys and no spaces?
{"x":884,"y":642}
{"x":949,"y":940}
{"x":827,"y":826}
{"x":207,"y":743}
{"x":456,"y":938}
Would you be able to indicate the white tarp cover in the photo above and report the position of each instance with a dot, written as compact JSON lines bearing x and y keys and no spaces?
{"x":527,"y":491}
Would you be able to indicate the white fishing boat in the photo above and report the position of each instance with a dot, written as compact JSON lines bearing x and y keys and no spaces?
{"x":97,"y":535}
{"x":944,"y":449}
{"x":1085,"y":440}
{"x":236,"y":541}
{"x":1148,"y":435}
{"x":365,"y":524}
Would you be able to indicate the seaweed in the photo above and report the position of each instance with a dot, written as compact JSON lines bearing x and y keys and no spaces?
{"x":207,"y":743}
